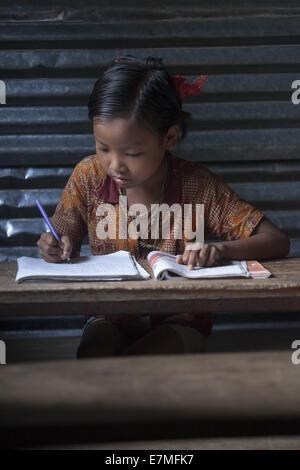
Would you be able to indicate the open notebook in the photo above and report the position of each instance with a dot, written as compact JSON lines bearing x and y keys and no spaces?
{"x":122,"y":265}
{"x":117,"y":266}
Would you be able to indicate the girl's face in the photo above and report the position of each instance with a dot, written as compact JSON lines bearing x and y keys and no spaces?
{"x":130,"y":153}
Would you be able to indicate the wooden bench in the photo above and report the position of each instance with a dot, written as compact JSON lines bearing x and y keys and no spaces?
{"x":150,"y":398}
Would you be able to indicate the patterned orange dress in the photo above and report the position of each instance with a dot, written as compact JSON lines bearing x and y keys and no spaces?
{"x":226,"y":215}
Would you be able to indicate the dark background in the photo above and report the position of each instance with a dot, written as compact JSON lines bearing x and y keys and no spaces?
{"x":244,"y":127}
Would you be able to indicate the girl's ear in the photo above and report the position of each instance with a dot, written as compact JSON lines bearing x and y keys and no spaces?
{"x":172,"y":136}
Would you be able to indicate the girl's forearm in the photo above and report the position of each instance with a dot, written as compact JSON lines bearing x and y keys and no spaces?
{"x":259,"y":246}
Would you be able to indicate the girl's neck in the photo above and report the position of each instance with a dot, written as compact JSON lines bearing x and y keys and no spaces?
{"x":152,"y":191}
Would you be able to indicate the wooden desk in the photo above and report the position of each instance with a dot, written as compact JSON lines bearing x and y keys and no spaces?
{"x":278,"y":293}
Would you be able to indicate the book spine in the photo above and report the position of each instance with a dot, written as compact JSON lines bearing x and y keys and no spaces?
{"x":257,"y":270}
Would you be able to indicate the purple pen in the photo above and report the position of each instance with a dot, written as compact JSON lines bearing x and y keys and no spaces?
{"x":47,"y":220}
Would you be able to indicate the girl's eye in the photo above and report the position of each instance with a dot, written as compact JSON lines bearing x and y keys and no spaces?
{"x":128,"y":154}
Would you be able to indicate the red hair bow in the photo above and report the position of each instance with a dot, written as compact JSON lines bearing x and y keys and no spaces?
{"x":186,"y":89}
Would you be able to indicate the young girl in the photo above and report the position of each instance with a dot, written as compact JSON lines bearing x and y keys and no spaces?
{"x":137,"y":116}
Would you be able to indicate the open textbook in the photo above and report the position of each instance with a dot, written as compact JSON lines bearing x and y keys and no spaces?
{"x":164,"y":266}
{"x":122,"y":265}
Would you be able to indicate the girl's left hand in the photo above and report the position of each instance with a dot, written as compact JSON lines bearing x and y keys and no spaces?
{"x":199,"y":255}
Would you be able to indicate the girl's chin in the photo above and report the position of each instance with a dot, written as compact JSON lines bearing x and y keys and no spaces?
{"x":127,"y":184}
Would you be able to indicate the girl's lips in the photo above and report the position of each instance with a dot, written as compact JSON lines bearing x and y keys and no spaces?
{"x":120,"y":180}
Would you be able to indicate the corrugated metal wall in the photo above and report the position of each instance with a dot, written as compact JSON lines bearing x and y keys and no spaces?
{"x":244,"y":128}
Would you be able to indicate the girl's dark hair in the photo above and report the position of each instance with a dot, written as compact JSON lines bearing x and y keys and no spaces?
{"x":141,"y":89}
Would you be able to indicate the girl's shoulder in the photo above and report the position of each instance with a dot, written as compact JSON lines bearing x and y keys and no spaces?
{"x":191,"y":171}
{"x":89,"y":168}
{"x":198,"y":182}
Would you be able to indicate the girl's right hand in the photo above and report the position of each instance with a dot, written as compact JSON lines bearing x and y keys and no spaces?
{"x":52,"y":250}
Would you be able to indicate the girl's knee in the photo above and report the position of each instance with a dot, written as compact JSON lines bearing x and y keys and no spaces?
{"x":193,"y":341}
{"x":101,"y":338}
{"x":167,"y":339}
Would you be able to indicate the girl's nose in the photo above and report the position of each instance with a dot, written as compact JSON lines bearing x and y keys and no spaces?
{"x":117,"y":166}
